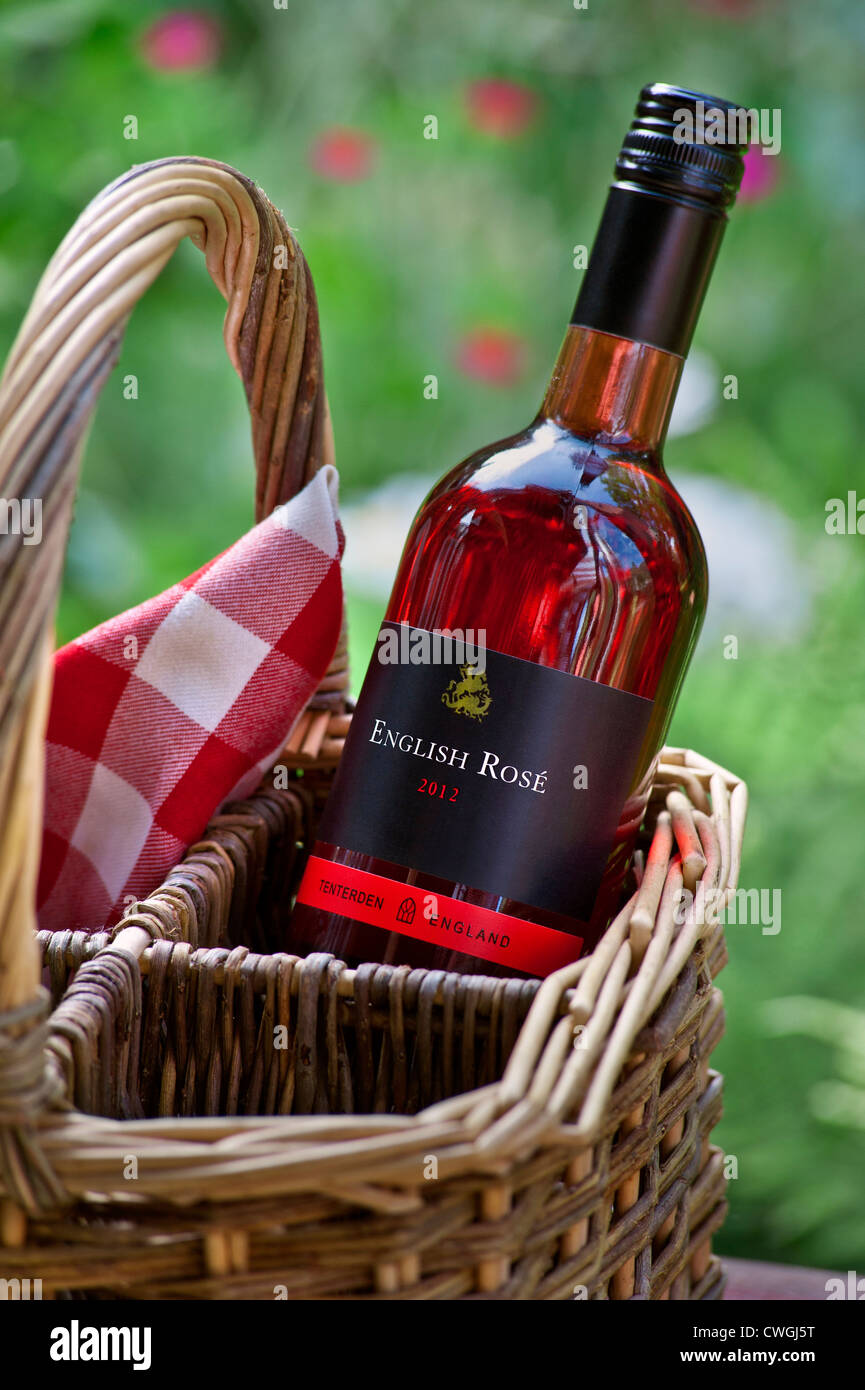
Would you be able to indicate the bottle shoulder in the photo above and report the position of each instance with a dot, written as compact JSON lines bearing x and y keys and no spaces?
{"x":563,"y":551}
{"x":546,"y":470}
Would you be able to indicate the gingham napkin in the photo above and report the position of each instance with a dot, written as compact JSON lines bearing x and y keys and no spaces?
{"x":163,"y":713}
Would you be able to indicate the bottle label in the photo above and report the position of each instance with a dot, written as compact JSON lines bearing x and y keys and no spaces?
{"x":436,"y":918}
{"x":486,"y":770}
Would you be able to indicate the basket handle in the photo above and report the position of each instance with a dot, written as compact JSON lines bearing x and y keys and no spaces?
{"x":67,"y":345}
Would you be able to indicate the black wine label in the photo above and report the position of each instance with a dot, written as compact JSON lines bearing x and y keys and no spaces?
{"x":486,"y":770}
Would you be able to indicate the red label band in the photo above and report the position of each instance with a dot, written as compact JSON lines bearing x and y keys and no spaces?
{"x":442,"y":921}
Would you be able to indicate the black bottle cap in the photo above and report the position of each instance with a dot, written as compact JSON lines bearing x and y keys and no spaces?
{"x":685,"y":145}
{"x":678,"y":171}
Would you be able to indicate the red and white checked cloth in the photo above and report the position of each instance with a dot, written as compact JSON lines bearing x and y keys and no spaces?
{"x":163,"y":713}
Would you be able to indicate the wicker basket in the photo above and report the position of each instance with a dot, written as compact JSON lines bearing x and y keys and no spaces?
{"x":190,"y":1116}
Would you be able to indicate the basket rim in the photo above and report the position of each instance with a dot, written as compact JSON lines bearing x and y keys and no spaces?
{"x":546,"y":1097}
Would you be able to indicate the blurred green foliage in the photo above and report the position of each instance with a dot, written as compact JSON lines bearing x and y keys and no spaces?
{"x":472,"y":230}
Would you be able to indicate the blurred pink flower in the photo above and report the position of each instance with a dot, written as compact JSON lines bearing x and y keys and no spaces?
{"x":491,"y":355}
{"x":182,"y":41}
{"x":761,"y":175}
{"x":500,"y":108}
{"x":343,"y":155}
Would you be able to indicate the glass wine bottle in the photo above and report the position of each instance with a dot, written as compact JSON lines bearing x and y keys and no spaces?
{"x":546,"y":606}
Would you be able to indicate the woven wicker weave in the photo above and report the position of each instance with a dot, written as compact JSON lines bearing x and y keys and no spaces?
{"x":191,"y":1116}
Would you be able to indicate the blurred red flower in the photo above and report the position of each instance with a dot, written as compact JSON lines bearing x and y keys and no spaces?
{"x":492,"y":355}
{"x":761,"y":175}
{"x":500,"y":108}
{"x":182,"y":41}
{"x":343,"y":155}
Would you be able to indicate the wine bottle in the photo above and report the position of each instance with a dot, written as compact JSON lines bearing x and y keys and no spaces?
{"x":546,"y":606}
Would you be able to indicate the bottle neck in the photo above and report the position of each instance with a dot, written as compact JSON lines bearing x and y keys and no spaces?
{"x":650,"y":267}
{"x":612,"y":389}
{"x":632,"y":324}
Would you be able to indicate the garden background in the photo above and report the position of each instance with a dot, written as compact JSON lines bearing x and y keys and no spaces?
{"x":453,"y":257}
